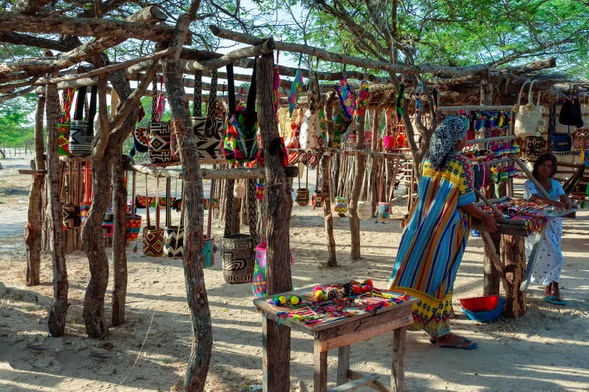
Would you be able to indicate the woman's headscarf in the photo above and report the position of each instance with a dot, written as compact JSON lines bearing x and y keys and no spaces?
{"x":444,"y":139}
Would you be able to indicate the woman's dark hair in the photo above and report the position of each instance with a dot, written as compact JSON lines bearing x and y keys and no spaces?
{"x":543,"y":158}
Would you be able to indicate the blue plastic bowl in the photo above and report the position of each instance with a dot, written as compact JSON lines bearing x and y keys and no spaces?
{"x":485,"y":317}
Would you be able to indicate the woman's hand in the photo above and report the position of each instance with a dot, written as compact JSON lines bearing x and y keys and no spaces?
{"x":559,"y":204}
{"x":490,"y":223}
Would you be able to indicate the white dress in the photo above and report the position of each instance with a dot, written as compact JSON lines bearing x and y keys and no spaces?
{"x":550,"y":259}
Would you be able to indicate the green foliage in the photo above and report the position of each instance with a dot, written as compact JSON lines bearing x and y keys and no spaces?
{"x":16,"y":121}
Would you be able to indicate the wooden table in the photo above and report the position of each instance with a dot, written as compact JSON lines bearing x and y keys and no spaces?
{"x":341,"y":334}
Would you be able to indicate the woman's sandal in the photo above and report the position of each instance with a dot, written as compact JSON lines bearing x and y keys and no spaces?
{"x":463,"y":344}
{"x":555,"y":299}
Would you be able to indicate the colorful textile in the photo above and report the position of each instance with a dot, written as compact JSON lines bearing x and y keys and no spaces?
{"x":550,"y":259}
{"x":362,"y":101}
{"x":295,"y":89}
{"x":433,"y":243}
{"x":347,"y":98}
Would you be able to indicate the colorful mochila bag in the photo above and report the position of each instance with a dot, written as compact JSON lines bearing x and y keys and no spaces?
{"x":240,"y":143}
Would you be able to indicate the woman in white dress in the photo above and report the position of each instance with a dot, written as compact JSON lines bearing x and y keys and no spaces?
{"x":550,"y":260}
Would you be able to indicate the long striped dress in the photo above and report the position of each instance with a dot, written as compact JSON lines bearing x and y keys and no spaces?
{"x":433,"y":243}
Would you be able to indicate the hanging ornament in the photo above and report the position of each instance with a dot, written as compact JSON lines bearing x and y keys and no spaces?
{"x":364,"y":210}
{"x":341,"y":206}
{"x":239,"y":190}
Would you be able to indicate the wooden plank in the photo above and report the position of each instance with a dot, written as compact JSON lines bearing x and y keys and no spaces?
{"x":343,"y":364}
{"x":365,"y":333}
{"x":376,"y":385}
{"x":398,"y":366}
{"x":491,"y":252}
{"x":515,"y":263}
{"x":353,"y":385}
{"x":33,"y":172}
{"x":319,"y":368}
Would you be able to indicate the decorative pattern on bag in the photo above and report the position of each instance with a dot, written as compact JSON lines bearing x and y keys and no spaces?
{"x":240,"y":143}
{"x":153,"y":241}
{"x":561,"y":142}
{"x":238,"y":258}
{"x":580,"y":139}
{"x":71,"y":216}
{"x":534,"y":146}
{"x":133,"y":227}
{"x":141,"y":139}
{"x":383,"y":211}
{"x":310,"y":132}
{"x":63,"y":125}
{"x":362,"y":101}
{"x":340,"y":122}
{"x":174,"y":241}
{"x":347,"y":98}
{"x":82,"y":131}
{"x":259,"y":285}
{"x":209,"y":129}
{"x":295,"y":89}
{"x":208,"y":252}
{"x":159,"y":142}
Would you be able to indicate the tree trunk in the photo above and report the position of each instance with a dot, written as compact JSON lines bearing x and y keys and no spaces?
{"x":58,"y":312}
{"x":119,"y":251}
{"x":93,"y":243}
{"x":198,"y":304}
{"x":326,"y":185}
{"x":357,"y":188}
{"x":277,"y":194}
{"x":33,"y":229}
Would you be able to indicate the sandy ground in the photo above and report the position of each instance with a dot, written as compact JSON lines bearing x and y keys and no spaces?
{"x":544,"y":350}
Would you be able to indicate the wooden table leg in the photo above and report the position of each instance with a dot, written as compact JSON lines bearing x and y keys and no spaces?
{"x":515,"y":264}
{"x":398,"y":367}
{"x":343,"y":364}
{"x":319,"y":368}
{"x":276,"y":356}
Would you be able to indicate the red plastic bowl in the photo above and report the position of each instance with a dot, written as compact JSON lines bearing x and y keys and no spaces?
{"x":480,"y":304}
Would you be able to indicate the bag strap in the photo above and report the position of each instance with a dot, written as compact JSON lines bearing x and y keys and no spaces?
{"x":154,"y":103}
{"x":531,"y":93}
{"x":197,"y":108}
{"x":231,"y":88}
{"x":212,"y":105}
{"x":79,"y":111}
{"x":251,"y":95}
{"x":147,"y":203}
{"x":92,"y":110}
{"x":521,"y":90}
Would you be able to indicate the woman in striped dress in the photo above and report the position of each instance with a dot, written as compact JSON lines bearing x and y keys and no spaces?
{"x":435,"y":237}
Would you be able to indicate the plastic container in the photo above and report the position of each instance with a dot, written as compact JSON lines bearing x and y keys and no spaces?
{"x":486,"y":316}
{"x":480,"y":304}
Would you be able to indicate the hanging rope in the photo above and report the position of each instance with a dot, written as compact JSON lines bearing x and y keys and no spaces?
{"x":252,"y":211}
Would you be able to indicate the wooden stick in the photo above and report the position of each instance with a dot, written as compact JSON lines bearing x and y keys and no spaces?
{"x":487,"y":202}
{"x":490,"y":249}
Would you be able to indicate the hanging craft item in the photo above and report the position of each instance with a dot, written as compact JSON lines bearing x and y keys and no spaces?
{"x":302,"y":196}
{"x":259,"y":284}
{"x":240,"y":143}
{"x":82,"y":131}
{"x":346,"y":97}
{"x":159,"y":132}
{"x":140,"y":135}
{"x":238,"y":258}
{"x":580,"y":139}
{"x":534,"y":147}
{"x":108,"y":224}
{"x":144,"y":201}
{"x":295,"y":88}
{"x":570,"y":111}
{"x":153,"y":236}
{"x":383,"y":211}
{"x":317,"y":199}
{"x":259,"y":191}
{"x":173,"y":234}
{"x":86,"y":203}
{"x":341,"y":206}
{"x":209,"y":129}
{"x":362,"y":101}
{"x":208,"y":241}
{"x":528,"y":119}
{"x":239,"y":190}
{"x":71,"y":210}
{"x":64,"y":122}
{"x":561,"y":142}
{"x":310,"y":132}
{"x":364,"y":210}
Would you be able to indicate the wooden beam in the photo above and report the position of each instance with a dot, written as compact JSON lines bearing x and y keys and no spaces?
{"x":108,"y":68}
{"x":351,"y":60}
{"x":212,"y":174}
{"x":46,"y":23}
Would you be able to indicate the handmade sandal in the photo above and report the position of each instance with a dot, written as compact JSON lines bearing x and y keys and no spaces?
{"x":555,"y":299}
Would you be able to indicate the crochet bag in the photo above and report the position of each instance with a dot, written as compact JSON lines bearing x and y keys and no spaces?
{"x":240,"y":143}
{"x":534,"y":146}
{"x":153,"y":236}
{"x":528,"y":119}
{"x":64,"y":123}
{"x":570,"y":112}
{"x":160,"y":149}
{"x":82,"y":131}
{"x":209,"y":129}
